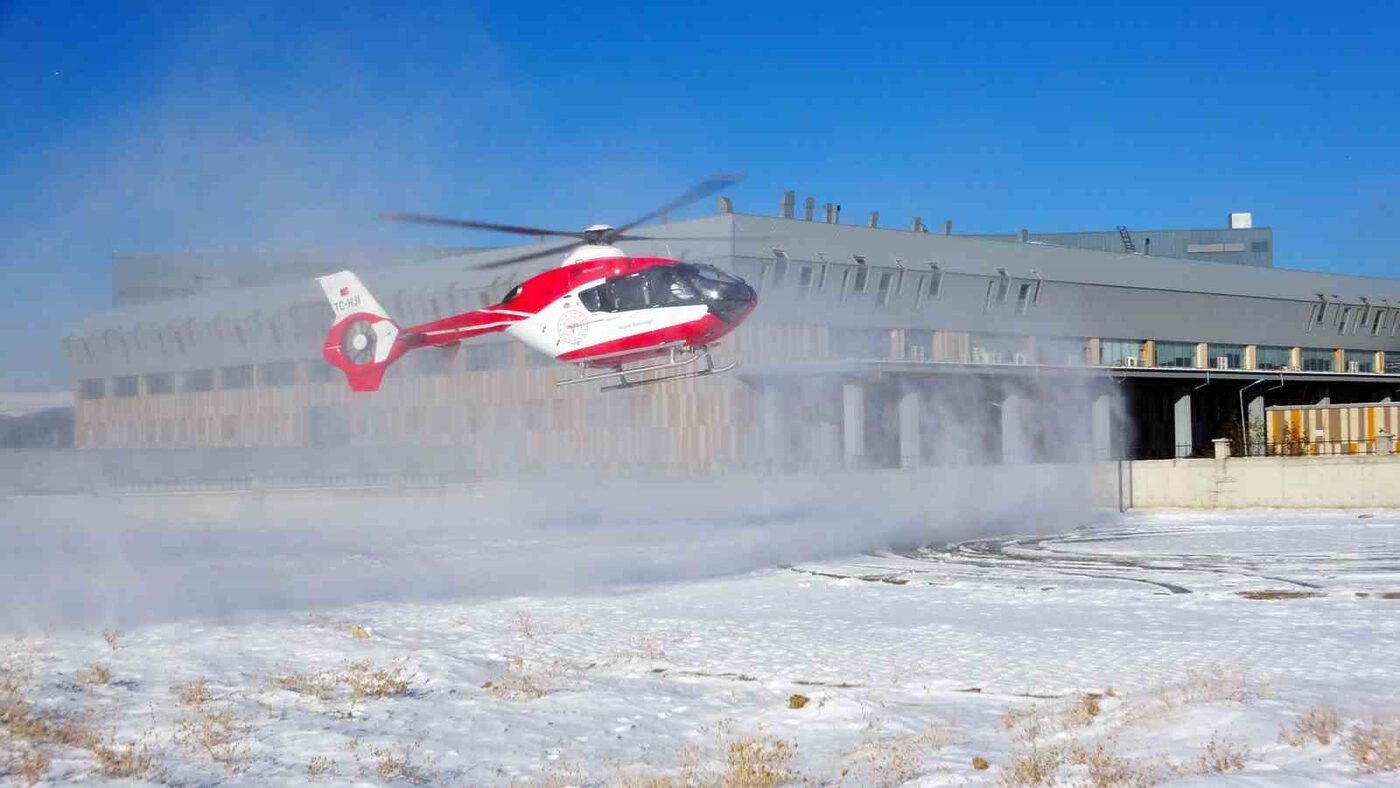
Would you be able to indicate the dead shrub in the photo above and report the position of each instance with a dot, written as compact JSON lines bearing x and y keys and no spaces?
{"x":123,"y":761}
{"x":215,"y":733}
{"x":797,"y":701}
{"x":886,"y":760}
{"x":1105,"y":768}
{"x":1034,"y":763}
{"x":394,"y":764}
{"x":1321,"y":724}
{"x":1219,"y":757}
{"x":96,"y":675}
{"x":195,"y":693}
{"x":758,"y":762}
{"x":525,"y":679}
{"x":354,"y":682}
{"x":1375,"y":746}
{"x":1081,"y":712}
{"x":320,"y":767}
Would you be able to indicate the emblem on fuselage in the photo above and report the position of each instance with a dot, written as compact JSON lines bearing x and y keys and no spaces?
{"x":573,"y":327}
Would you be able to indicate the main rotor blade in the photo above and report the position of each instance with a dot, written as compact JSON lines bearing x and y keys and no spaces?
{"x":520,"y":258}
{"x":699,"y":191}
{"x":418,"y":218}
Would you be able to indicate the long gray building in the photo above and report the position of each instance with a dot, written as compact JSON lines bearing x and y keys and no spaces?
{"x":871,"y":345}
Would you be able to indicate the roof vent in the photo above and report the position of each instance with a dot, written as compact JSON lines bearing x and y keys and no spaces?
{"x":726,"y":205}
{"x":789,"y":202}
{"x":874,"y":218}
{"x":808,"y":206}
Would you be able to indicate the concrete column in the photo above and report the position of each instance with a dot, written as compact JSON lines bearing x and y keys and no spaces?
{"x":1182,"y":439}
{"x":910,"y":448}
{"x":1254,"y":421}
{"x":853,"y":423}
{"x":1015,"y":443}
{"x":1101,"y":427}
{"x":774,"y":435}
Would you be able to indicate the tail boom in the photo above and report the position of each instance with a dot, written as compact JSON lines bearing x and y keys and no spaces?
{"x":363,"y":341}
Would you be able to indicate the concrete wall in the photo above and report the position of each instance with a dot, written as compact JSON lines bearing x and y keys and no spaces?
{"x":1284,"y":482}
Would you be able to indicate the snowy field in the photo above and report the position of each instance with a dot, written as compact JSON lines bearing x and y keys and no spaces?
{"x":1152,"y":647}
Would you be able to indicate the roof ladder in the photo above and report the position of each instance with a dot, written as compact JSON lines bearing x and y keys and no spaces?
{"x":1127,"y":240}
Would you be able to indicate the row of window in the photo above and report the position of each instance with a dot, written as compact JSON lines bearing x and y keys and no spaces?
{"x":855,"y":279}
{"x":1352,"y":318}
{"x":1132,"y":352}
{"x":485,"y":356}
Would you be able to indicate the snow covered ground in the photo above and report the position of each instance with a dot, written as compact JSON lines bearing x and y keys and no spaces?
{"x":1165,"y":646}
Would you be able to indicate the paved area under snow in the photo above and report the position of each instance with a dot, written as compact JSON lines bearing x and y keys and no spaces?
{"x":909,"y":663}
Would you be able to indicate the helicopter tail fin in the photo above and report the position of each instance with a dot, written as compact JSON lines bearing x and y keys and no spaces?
{"x":363,"y":341}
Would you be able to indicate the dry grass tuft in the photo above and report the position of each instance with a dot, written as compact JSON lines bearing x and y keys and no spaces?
{"x":1034,"y":763}
{"x":1321,"y":724}
{"x":210,"y":730}
{"x":354,"y":682}
{"x":526,"y":679}
{"x":195,"y":693}
{"x":96,"y":675}
{"x":393,"y":764}
{"x":796,"y":701}
{"x":359,"y":633}
{"x":885,"y":760}
{"x":758,"y":762}
{"x":123,"y":761}
{"x":110,"y":637}
{"x":1220,"y":757}
{"x":1104,"y":768}
{"x":320,"y":767}
{"x":1375,"y":746}
{"x":1390,"y":595}
{"x":980,"y":764}
{"x":1278,"y":594}
{"x":1082,"y":711}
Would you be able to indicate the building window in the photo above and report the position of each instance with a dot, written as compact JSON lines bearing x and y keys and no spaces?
{"x":780,"y":267}
{"x":865,"y":343}
{"x":161,"y":383}
{"x":935,"y":282}
{"x":859,"y":258}
{"x":804,"y":280}
{"x":280,"y":374}
{"x":1176,"y":354}
{"x":1259,"y":247}
{"x":1358,"y":361}
{"x":1378,"y":321}
{"x":240,"y":377}
{"x":1271,"y":357}
{"x":1225,"y":356}
{"x":198,"y":380}
{"x":1023,"y":297}
{"x":125,"y":386}
{"x":1117,"y":352}
{"x":991,"y":294}
{"x":1003,"y":285}
{"x":1344,"y":319}
{"x":862,"y":279}
{"x":92,"y":388}
{"x":883,"y":287}
{"x":1317,"y":359}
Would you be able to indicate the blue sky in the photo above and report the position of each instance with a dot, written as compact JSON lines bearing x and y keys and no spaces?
{"x":177,"y":126}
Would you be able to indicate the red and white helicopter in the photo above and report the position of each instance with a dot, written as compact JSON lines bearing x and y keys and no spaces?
{"x":600,"y":309}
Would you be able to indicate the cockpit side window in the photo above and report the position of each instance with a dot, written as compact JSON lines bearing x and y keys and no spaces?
{"x":630,"y":292}
{"x":592,"y":298}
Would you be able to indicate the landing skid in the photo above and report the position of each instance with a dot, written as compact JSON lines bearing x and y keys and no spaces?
{"x":678,"y":358}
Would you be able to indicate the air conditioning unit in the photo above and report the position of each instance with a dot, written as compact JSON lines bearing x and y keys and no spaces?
{"x":1020,"y":358}
{"x":1130,"y":361}
{"x":1353,"y":366}
{"x":1222,"y":362}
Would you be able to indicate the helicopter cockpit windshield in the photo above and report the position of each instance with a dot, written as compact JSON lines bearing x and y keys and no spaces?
{"x":671,"y":285}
